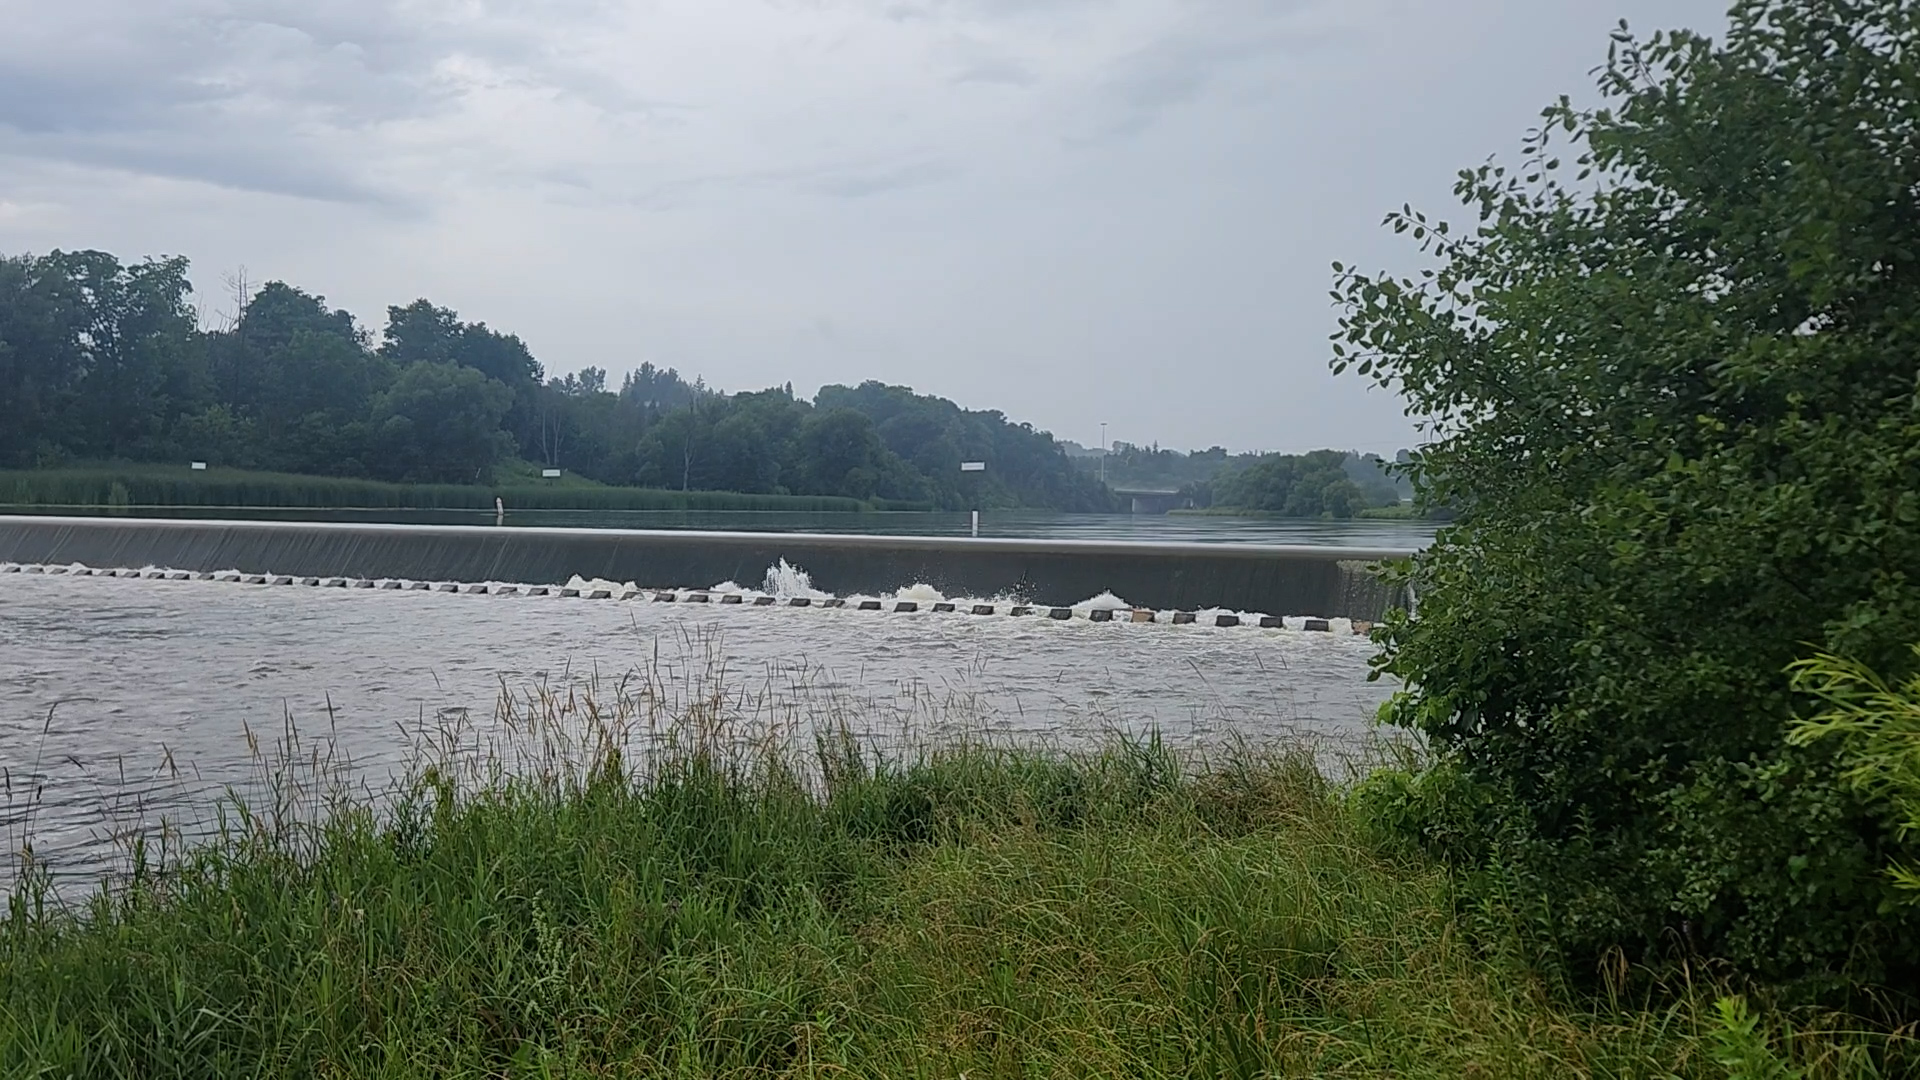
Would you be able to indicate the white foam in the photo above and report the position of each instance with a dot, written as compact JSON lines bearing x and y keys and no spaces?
{"x":618,"y":588}
{"x":788,"y":581}
{"x":921,"y":593}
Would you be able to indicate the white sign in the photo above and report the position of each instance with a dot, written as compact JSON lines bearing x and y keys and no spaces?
{"x":550,"y":474}
{"x":973,"y":466}
{"x":199,"y":466}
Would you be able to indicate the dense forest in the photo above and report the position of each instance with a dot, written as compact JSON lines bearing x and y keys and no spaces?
{"x":1322,"y":483}
{"x":108,"y":361}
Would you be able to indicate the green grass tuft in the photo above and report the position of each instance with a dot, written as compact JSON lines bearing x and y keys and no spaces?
{"x":698,"y":903}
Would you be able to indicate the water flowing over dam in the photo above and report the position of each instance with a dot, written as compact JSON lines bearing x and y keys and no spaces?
{"x":148,"y":662}
{"x":1273,"y":580}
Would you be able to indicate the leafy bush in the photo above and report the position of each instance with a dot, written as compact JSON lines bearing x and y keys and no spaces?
{"x":1880,"y":724}
{"x":1673,"y":399}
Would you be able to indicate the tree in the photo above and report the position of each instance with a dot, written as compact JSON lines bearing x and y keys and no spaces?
{"x":440,"y":423}
{"x":40,"y":359}
{"x":1315,"y":484}
{"x":105,"y":361}
{"x":421,"y":333}
{"x":130,"y":329}
{"x":648,"y":387}
{"x":1673,"y":398}
{"x":838,"y":452}
{"x":933,"y":435}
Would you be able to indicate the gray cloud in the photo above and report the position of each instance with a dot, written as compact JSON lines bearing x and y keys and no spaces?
{"x":1073,"y":210}
{"x":1002,"y":71}
{"x":859,"y":185}
{"x":1214,"y":43}
{"x":261,"y":96}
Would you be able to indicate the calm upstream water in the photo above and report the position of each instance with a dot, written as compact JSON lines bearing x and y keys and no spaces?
{"x":124,"y":702}
{"x":1010,"y":523}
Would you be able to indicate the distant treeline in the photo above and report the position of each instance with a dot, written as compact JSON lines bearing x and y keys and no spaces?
{"x":102,"y":361}
{"x":1321,"y":483}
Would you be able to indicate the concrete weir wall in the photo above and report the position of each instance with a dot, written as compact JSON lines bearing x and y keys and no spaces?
{"x":1325,"y":582}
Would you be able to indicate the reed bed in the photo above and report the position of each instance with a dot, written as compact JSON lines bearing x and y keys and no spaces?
{"x":135,"y":486}
{"x":663,"y":877}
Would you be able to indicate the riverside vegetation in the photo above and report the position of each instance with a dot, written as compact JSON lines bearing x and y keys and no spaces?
{"x":1672,"y":387}
{"x":178,"y":486}
{"x":105,"y":362}
{"x":1662,"y":822}
{"x":643,"y":885}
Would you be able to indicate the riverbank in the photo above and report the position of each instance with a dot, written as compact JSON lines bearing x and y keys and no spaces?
{"x":164,"y":486}
{"x":716,"y":906}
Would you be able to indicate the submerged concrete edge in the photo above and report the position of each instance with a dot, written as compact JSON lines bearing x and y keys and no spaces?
{"x":1088,"y":613}
{"x":1168,"y":576}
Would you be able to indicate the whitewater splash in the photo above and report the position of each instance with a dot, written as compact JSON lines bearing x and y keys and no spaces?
{"x":783,"y":581}
{"x":788,"y":581}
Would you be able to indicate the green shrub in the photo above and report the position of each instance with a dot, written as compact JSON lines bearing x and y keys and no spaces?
{"x":1880,"y":759}
{"x":1673,"y":400}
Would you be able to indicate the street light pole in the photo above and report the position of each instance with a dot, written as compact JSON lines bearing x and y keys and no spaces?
{"x":1103,"y":452}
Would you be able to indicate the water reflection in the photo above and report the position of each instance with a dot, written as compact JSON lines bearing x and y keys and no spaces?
{"x":1003,"y":523}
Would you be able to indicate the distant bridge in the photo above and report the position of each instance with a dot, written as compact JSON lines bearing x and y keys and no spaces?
{"x":1154,"y":500}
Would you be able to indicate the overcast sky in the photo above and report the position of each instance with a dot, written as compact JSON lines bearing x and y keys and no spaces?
{"x":1075,"y":211}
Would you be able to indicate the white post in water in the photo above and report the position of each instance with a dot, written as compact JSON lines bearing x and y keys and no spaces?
{"x":974,"y":466}
{"x":499,"y":511}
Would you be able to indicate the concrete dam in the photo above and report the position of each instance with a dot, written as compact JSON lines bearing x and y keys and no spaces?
{"x":1319,"y":582}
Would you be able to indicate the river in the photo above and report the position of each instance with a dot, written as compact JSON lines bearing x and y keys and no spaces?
{"x":128,"y":701}
{"x":1036,"y":524}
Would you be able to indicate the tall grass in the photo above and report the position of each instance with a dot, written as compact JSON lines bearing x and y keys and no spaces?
{"x":652,"y":885}
{"x":170,"y":486}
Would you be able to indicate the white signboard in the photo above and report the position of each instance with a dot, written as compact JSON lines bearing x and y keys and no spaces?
{"x":199,"y":466}
{"x":550,"y":474}
{"x":973,"y":466}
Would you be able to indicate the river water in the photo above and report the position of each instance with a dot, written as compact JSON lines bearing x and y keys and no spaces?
{"x":1038,"y":524}
{"x":128,"y":701}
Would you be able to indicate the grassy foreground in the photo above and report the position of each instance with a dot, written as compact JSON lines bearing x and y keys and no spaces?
{"x":713,"y":911}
